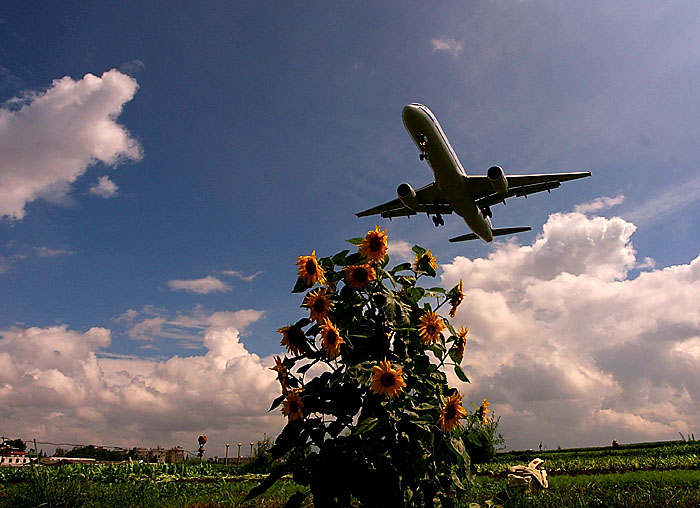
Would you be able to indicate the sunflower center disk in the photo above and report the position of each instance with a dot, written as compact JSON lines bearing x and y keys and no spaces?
{"x":387,"y":379}
{"x":310,"y":267}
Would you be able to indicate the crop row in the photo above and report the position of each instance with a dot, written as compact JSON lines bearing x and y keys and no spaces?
{"x":683,"y":456}
{"x":123,"y":473}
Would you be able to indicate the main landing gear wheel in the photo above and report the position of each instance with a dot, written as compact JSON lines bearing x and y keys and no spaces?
{"x":423,"y":156}
{"x":438,"y":220}
{"x":486,"y":212}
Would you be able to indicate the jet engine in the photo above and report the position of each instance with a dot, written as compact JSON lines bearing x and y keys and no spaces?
{"x":407,"y":196}
{"x":498,"y":180}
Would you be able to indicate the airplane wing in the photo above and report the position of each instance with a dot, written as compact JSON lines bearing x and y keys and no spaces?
{"x":429,"y":199}
{"x":518,"y":185}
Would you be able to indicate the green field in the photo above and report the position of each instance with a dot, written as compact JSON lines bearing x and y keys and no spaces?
{"x":643,"y":475}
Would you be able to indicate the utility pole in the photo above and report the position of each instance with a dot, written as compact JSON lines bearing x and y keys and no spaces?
{"x":226,"y":459}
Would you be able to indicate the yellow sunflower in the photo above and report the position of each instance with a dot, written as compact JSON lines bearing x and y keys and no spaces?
{"x":452,"y":412}
{"x":331,"y":340}
{"x":424,"y":261}
{"x":483,"y":410}
{"x":291,"y":406}
{"x":358,"y":276}
{"x":430,"y":327}
{"x":456,"y":299}
{"x":281,"y":374}
{"x":319,"y":304}
{"x":309,"y":270}
{"x":387,"y":381}
{"x":461,"y":343}
{"x":294,"y":340}
{"x":374,"y":245}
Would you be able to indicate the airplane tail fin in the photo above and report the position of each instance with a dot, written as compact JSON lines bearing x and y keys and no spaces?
{"x":496,"y":232}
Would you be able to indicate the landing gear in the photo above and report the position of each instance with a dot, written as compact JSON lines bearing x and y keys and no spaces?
{"x":438,"y":220}
{"x":422,"y":143}
{"x":486,"y":212}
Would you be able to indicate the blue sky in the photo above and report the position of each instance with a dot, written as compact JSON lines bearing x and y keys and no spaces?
{"x":163,"y":165}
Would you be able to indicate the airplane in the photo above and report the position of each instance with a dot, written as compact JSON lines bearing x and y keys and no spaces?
{"x":469,"y":196}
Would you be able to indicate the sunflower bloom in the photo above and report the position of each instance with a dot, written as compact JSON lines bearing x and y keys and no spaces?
{"x":358,"y":276}
{"x":291,"y":406}
{"x":387,"y":381}
{"x":293,"y":339}
{"x":452,"y":413}
{"x":281,"y":374}
{"x":331,"y":340}
{"x":309,"y":270}
{"x":422,"y":263}
{"x":484,"y":409}
{"x":374,"y":245}
{"x":319,"y":304}
{"x":456,"y":299}
{"x":430,"y":327}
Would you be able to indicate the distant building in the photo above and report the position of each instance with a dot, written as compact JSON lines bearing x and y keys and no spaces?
{"x":158,"y":455}
{"x":175,"y":455}
{"x":11,"y":458}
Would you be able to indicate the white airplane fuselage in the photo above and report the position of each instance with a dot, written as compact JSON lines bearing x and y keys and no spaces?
{"x":426,"y":132}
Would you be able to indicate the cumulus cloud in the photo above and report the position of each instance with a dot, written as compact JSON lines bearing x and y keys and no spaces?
{"x":48,"y":139}
{"x":448,"y":45}
{"x":201,"y":286}
{"x":104,"y":188}
{"x":57,"y":385}
{"x":570,"y":348}
{"x":599,"y":204}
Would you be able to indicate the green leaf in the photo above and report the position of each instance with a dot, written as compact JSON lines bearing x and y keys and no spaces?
{"x":295,"y":500}
{"x":268,"y":482}
{"x":355,"y":241}
{"x":366,"y":424}
{"x":437,"y":290}
{"x":276,"y":402}
{"x":300,"y":286}
{"x":418,"y":250}
{"x":401,"y":267}
{"x":460,"y":374}
{"x":339,"y":259}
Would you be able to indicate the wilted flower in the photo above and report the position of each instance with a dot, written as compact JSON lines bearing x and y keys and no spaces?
{"x":358,"y":276}
{"x":456,"y":299}
{"x":461,"y":342}
{"x":318,"y":303}
{"x":430,"y":327}
{"x":281,"y":370}
{"x":309,"y":270}
{"x":291,"y":406}
{"x":294,"y":339}
{"x":387,"y":381}
{"x":452,"y":412}
{"x":374,"y":245}
{"x":331,"y":339}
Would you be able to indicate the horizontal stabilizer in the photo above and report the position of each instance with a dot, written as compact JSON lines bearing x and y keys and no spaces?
{"x":496,"y":232}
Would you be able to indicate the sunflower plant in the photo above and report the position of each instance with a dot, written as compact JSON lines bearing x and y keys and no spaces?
{"x":371,"y":418}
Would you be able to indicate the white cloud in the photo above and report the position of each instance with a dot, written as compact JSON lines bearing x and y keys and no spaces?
{"x":48,"y":139}
{"x":241,"y":275}
{"x":451,"y":46}
{"x":104,"y":188}
{"x":599,"y":204}
{"x":572,"y":351}
{"x":48,"y":252}
{"x":201,"y":286}
{"x":57,"y":387}
{"x":668,"y":202}
{"x":400,"y":251}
